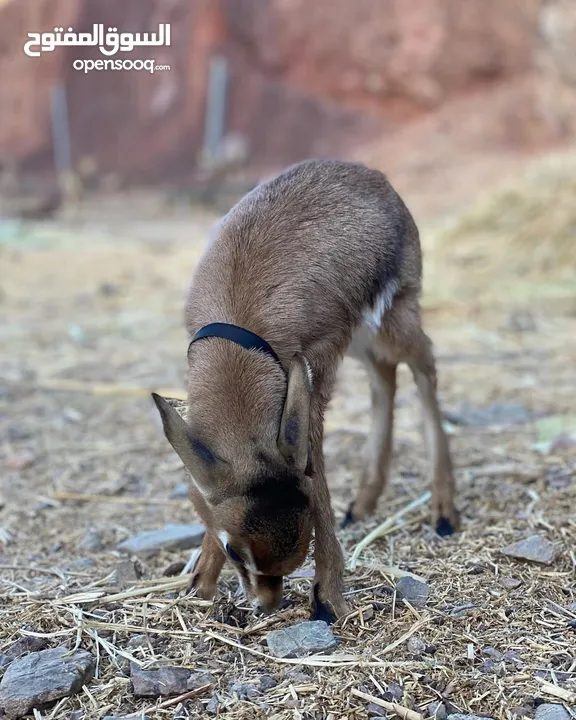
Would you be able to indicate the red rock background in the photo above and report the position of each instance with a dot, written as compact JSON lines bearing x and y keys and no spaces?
{"x":328,"y":76}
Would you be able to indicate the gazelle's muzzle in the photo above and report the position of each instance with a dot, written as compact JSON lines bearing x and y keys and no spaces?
{"x":269,"y":591}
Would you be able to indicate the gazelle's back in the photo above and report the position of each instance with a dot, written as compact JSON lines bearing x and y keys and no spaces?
{"x":317,"y":246}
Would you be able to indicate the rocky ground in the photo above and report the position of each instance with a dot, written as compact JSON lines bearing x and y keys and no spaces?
{"x":481,"y":623}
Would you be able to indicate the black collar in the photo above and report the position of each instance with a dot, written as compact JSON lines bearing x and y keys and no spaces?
{"x":238,"y":335}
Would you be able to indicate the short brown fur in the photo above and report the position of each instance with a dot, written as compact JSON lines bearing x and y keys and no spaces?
{"x":322,"y":260}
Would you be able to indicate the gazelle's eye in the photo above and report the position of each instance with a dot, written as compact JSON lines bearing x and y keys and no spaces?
{"x":234,"y":555}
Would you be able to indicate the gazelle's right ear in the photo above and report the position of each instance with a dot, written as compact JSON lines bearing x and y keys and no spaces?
{"x":187,"y":447}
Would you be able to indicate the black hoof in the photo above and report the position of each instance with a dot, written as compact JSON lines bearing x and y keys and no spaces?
{"x":444,"y":527}
{"x":347,"y":519}
{"x":320,"y":611}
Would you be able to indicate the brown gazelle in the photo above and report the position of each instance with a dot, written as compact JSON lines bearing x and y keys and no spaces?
{"x":322,"y":260}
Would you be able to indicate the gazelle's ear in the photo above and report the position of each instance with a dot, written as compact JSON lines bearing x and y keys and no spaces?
{"x":295,"y":423}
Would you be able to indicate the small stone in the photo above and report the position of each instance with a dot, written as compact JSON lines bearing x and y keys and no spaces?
{"x":169,"y":537}
{"x":414,"y":591}
{"x":21,"y":647}
{"x":487,"y":667}
{"x":368,"y":614}
{"x":394,"y":691}
{"x":520,"y":321}
{"x":297,"y":676}
{"x":180,"y":492}
{"x":175,"y":568}
{"x":563,"y":443}
{"x":520,"y":711}
{"x":92,"y":541}
{"x":72,"y":415}
{"x":463,"y":610}
{"x":299,"y":640}
{"x":511,"y":657}
{"x":137,"y":641}
{"x":267,"y":682}
{"x":42,"y":677}
{"x":81,"y":564}
{"x":21,"y":461}
{"x":374,"y":710}
{"x":551,"y":711}
{"x":463,"y":716}
{"x":108,"y":289}
{"x":126,"y":573}
{"x":492,"y":653}
{"x":437,"y":710}
{"x":166,"y":680}
{"x":504,"y":414}
{"x":302,"y":573}
{"x":199,"y":679}
{"x":293,"y":704}
{"x":213,"y":705}
{"x":534,"y":549}
{"x":245,"y":691}
{"x":510,"y":583}
{"x":416,"y":646}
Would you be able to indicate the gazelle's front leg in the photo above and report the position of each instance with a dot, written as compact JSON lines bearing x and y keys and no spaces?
{"x":208,"y":568}
{"x":327,"y":599}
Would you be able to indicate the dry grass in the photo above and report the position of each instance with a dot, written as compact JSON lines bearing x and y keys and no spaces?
{"x":519,"y":233}
{"x":97,"y":458}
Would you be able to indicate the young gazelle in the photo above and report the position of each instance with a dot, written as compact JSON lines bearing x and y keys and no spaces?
{"x":322,"y":260}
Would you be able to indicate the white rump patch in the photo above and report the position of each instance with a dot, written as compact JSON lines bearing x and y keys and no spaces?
{"x":309,"y":372}
{"x":372,"y":317}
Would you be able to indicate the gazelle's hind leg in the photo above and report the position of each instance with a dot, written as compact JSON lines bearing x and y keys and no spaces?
{"x":423,"y":367}
{"x":401,"y":339}
{"x":378,"y":449}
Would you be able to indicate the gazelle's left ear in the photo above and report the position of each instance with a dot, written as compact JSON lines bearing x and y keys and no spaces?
{"x":295,"y":423}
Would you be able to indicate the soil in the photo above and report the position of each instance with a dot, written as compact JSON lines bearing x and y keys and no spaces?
{"x":95,"y":300}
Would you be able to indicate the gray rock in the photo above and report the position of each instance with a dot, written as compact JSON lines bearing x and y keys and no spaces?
{"x":463,"y":716}
{"x":213,"y":705}
{"x":22,"y":647}
{"x":92,"y":541}
{"x":199,"y":679}
{"x":297,"y":676}
{"x":245,"y":691}
{"x":267,"y":682}
{"x":416,"y":646}
{"x":169,"y":537}
{"x":126,"y":573}
{"x":498,"y":414}
{"x":299,"y":640}
{"x":534,"y":548}
{"x":137,"y":641}
{"x":42,"y":677}
{"x":180,"y":491}
{"x":492,"y":653}
{"x":487,"y":667}
{"x":510,"y":583}
{"x":414,"y":591}
{"x":375,"y":711}
{"x":394,"y":692}
{"x":166,"y":681}
{"x":138,"y":716}
{"x":437,"y":710}
{"x":551,"y":711}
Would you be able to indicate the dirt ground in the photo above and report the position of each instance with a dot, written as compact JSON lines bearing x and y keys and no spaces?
{"x":97,"y":300}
